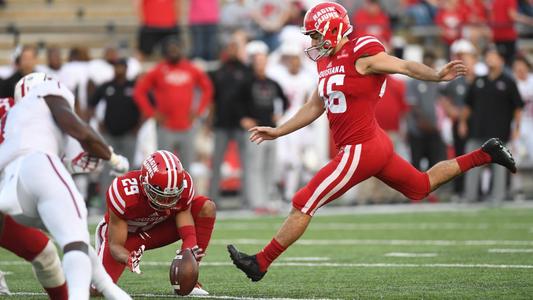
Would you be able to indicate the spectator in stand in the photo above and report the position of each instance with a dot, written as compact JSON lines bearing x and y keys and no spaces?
{"x":159,"y":20}
{"x":54,"y":62}
{"x":235,"y":15}
{"x":525,"y":7}
{"x":121,"y":117}
{"x":75,"y":75}
{"x":270,"y":16}
{"x":504,"y":14}
{"x":25,"y":63}
{"x":420,"y":12}
{"x":453,"y":98}
{"x":450,"y":18}
{"x":203,"y":20}
{"x":476,"y":18}
{"x":524,"y":81}
{"x":493,"y":104}
{"x":372,"y":20}
{"x":173,"y":82}
{"x":231,"y":82}
{"x":423,"y":129}
{"x":267,"y":104}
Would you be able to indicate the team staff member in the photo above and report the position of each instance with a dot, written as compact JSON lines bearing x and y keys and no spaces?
{"x":493,"y":103}
{"x":173,"y":82}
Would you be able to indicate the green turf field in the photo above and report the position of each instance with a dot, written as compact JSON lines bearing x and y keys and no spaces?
{"x":475,"y":254}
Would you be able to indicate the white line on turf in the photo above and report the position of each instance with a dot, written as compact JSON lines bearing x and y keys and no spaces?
{"x":405,"y":254}
{"x":340,"y":242}
{"x":158,"y":296}
{"x":345,"y":265}
{"x":318,"y":226}
{"x":510,"y":250}
{"x":305,"y":258}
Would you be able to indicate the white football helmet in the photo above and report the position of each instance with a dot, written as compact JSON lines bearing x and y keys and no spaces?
{"x":27,"y":82}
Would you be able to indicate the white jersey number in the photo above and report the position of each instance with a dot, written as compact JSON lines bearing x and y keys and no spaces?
{"x":131,"y":186}
{"x":335,"y":101}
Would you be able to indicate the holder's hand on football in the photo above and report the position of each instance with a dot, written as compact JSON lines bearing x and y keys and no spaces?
{"x":134,"y":260}
{"x":82,"y":163}
{"x":119,"y":164}
{"x":196,"y":251}
{"x":262,"y":133}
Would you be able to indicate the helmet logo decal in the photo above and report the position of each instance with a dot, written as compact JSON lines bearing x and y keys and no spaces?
{"x":150,"y":166}
{"x":325,"y":14}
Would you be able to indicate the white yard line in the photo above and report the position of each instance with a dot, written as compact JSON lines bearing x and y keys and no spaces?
{"x":369,"y":226}
{"x":349,"y":242}
{"x":158,"y":296}
{"x":345,"y":265}
{"x":406,"y":254}
{"x":510,"y":250}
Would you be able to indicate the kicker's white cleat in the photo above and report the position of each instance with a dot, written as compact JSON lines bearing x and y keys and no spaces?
{"x":4,"y":290}
{"x":198,"y":291}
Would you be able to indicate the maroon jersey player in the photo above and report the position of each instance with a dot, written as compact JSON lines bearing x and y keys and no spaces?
{"x":151,"y":208}
{"x":352,"y":79}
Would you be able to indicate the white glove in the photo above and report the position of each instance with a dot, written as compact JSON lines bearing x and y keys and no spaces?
{"x":134,"y":260}
{"x":119,"y":164}
{"x":82,"y":163}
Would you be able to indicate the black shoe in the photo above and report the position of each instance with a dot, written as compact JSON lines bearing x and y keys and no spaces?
{"x":246,"y":263}
{"x":499,"y":154}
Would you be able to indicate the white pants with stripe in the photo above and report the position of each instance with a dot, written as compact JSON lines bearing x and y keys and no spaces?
{"x":37,"y":191}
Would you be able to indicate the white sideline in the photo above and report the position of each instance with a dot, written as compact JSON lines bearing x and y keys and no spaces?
{"x":338,"y":265}
{"x":309,"y":242}
{"x":174,"y":296}
{"x":510,"y":250}
{"x":405,"y":254}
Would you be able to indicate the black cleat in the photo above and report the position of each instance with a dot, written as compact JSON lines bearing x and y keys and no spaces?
{"x":246,"y":263}
{"x":499,"y":154}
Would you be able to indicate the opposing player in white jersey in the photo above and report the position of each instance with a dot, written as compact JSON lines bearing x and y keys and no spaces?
{"x":297,"y":85}
{"x":36,"y":188}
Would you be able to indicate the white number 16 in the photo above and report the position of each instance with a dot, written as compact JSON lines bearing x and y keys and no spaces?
{"x":335,"y":100}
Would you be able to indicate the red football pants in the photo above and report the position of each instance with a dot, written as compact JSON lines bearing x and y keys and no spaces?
{"x":24,"y":241}
{"x":356,"y":163}
{"x":160,"y":235}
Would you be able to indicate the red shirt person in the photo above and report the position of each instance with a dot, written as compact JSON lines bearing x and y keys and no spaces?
{"x":151,"y":208}
{"x":372,"y":20}
{"x":173,"y":82}
{"x":450,"y":18}
{"x":352,"y":79}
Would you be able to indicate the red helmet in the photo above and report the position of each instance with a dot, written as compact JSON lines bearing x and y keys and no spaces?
{"x":163,"y":179}
{"x":331,"y":21}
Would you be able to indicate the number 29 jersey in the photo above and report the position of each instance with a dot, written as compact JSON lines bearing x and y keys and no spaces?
{"x":126,"y":198}
{"x":350,"y":98}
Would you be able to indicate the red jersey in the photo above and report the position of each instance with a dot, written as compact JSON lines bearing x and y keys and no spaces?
{"x":173,"y":86}
{"x":159,"y":13}
{"x":126,"y":198}
{"x":450,"y":22}
{"x":368,"y":24}
{"x":349,"y":97}
{"x":5,"y":105}
{"x":502,"y":25}
{"x":392,"y":106}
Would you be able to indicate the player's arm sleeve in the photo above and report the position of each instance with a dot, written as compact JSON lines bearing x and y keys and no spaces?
{"x":206,"y":87}
{"x":186,"y":229}
{"x":367,"y":46}
{"x":115,"y":198}
{"x":140,"y":93}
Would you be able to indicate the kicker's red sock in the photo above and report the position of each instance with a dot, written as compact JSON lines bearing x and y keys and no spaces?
{"x":473,"y":159}
{"x":58,"y":292}
{"x":266,"y":256}
{"x":204,"y":229}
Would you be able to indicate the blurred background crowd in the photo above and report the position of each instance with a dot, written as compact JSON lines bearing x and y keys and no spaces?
{"x":192,"y":76}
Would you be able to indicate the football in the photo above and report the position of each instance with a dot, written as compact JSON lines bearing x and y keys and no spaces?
{"x":184,"y":273}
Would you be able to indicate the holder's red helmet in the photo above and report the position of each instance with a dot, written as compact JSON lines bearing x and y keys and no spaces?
{"x":163,"y":179}
{"x":331,"y":21}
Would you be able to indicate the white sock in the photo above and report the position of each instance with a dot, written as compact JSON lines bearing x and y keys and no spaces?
{"x":102,"y":281}
{"x":77,"y":268}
